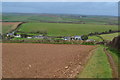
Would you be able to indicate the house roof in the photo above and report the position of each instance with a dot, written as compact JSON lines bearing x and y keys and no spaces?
{"x":10,"y":34}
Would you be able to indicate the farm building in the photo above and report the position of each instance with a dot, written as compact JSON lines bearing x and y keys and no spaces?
{"x":39,"y":37}
{"x":17,"y":36}
{"x":29,"y":37}
{"x":10,"y":34}
{"x":90,"y":40}
{"x":77,"y":38}
{"x":73,"y":38}
{"x":67,"y":38}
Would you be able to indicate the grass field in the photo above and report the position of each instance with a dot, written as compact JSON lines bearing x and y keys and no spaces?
{"x":107,"y":37}
{"x":8,"y":26}
{"x":64,"y":29}
{"x":98,"y":66}
{"x":97,"y":39}
{"x":59,"y":18}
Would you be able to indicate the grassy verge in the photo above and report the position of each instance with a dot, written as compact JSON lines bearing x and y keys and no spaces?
{"x":116,"y":57}
{"x":98,"y":66}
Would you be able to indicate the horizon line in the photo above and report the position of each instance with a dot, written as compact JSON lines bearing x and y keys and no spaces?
{"x":61,"y":13}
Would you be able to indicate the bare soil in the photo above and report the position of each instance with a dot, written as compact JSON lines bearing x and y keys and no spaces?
{"x":27,"y":60}
{"x":13,"y":25}
{"x":10,"y":23}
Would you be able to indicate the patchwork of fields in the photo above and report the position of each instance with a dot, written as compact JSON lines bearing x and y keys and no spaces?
{"x":59,"y":18}
{"x":64,"y":29}
{"x":28,"y":60}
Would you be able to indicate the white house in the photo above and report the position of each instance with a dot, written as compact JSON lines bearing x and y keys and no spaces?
{"x":29,"y":37}
{"x":17,"y":36}
{"x":73,"y":38}
{"x":77,"y":38}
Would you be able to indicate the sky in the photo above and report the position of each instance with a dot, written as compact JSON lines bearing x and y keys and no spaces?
{"x":60,"y":0}
{"x":84,"y":8}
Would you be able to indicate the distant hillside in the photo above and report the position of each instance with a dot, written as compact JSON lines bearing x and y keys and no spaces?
{"x":29,"y":17}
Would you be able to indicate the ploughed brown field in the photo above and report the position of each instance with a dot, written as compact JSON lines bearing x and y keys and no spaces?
{"x":15,"y":24}
{"x":27,"y":60}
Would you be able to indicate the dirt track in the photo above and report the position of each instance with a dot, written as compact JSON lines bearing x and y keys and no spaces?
{"x":112,"y":63}
{"x":43,"y":60}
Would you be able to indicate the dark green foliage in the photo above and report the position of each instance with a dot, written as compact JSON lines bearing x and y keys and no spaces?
{"x":24,"y":35}
{"x":84,"y":37}
{"x":114,"y":51}
{"x":88,"y":43}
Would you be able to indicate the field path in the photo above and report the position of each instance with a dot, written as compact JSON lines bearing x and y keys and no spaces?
{"x":27,"y":60}
{"x":111,"y":61}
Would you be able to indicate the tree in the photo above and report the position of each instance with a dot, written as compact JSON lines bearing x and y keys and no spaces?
{"x":23,"y":35}
{"x":110,"y":30}
{"x":15,"y":34}
{"x":84,"y":37}
{"x":0,"y":36}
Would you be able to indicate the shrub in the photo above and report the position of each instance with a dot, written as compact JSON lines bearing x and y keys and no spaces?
{"x":88,"y":43}
{"x":84,"y":37}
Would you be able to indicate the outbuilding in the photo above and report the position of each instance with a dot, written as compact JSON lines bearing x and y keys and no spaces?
{"x":18,"y":36}
{"x":77,"y":38}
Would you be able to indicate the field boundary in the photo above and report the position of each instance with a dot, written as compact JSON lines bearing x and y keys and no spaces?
{"x":18,"y":26}
{"x":112,"y":64}
{"x":91,"y":53}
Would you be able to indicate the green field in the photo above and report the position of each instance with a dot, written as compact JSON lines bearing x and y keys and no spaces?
{"x":59,"y":18}
{"x":65,"y":29}
{"x":97,"y":39}
{"x":8,"y":26}
{"x":98,"y":66}
{"x":108,"y":37}
{"x":6,"y":29}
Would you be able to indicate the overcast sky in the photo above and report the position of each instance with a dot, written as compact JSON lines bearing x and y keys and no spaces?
{"x":60,"y":0}
{"x":87,"y":8}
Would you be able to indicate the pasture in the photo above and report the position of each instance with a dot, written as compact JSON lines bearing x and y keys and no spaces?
{"x":65,"y":29}
{"x":108,"y":37}
{"x":32,"y":17}
{"x":9,"y":26}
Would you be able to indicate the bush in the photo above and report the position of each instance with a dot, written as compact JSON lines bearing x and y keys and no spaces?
{"x":84,"y":37}
{"x":88,"y":43}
